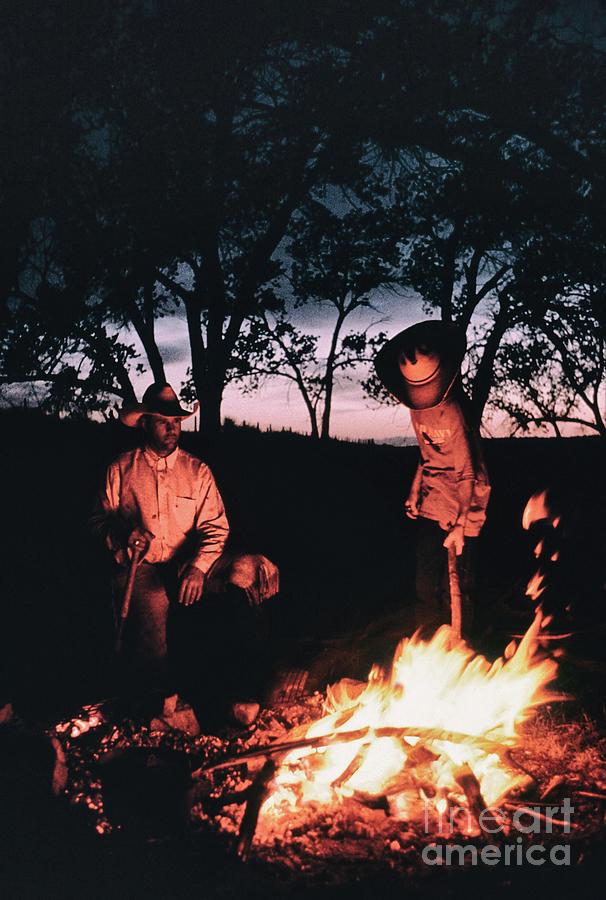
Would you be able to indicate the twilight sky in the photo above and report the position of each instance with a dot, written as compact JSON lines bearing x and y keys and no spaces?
{"x":278,"y":403}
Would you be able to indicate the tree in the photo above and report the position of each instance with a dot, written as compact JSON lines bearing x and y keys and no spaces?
{"x":551,"y":370}
{"x":56,"y":338}
{"x":54,"y":335}
{"x":513,"y":148}
{"x":205,"y":167}
{"x":502,"y":251}
{"x":554,"y":375}
{"x":185,"y":148}
{"x":274,"y":347}
{"x":336,"y":262}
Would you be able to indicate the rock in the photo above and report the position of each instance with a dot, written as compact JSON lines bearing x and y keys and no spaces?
{"x":177,"y":715}
{"x":245,"y":713}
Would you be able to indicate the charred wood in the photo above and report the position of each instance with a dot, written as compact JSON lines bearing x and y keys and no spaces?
{"x":258,"y":792}
{"x":343,"y":737}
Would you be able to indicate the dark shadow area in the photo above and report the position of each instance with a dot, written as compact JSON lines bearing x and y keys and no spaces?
{"x":330,"y":515}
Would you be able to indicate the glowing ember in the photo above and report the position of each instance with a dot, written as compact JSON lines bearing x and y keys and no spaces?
{"x":91,"y":717}
{"x":435,"y":729}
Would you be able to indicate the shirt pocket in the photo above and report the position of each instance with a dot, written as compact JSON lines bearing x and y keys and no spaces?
{"x":185,"y":512}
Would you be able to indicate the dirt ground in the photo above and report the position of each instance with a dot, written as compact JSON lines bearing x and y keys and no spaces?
{"x":344,"y":850}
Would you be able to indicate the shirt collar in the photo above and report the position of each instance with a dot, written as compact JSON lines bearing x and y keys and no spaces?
{"x":156,"y":461}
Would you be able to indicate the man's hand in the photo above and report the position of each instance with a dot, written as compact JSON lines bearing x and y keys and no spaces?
{"x":141,"y":540}
{"x":411,"y":507}
{"x":190,"y":589}
{"x":455,"y":538}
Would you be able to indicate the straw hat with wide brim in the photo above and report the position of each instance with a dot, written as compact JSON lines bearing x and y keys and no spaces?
{"x":158,"y":400}
{"x":420,"y":364}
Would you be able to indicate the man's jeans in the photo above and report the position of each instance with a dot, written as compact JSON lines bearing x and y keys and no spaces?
{"x":212,"y":649}
{"x":144,"y":650}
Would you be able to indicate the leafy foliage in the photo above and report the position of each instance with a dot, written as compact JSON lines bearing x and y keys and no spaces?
{"x":167,"y":163}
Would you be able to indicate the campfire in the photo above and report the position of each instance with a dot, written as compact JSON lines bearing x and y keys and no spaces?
{"x":428,"y":741}
{"x":433,"y":732}
{"x":377,"y":772}
{"x":438,"y":744}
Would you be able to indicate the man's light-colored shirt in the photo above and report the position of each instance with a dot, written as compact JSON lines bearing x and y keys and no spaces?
{"x":175,"y":498}
{"x":450,"y":453}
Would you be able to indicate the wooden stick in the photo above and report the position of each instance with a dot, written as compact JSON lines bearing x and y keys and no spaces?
{"x":538,"y":815}
{"x":354,"y":766}
{"x":549,"y":637}
{"x":466,"y":779}
{"x":128,"y":593}
{"x":344,"y":737}
{"x":258,"y":792}
{"x":592,"y":794}
{"x":455,"y":592}
{"x":341,"y":737}
{"x":553,"y":783}
{"x":371,"y":801}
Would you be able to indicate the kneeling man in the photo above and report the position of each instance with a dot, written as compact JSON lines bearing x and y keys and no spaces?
{"x":162,"y":506}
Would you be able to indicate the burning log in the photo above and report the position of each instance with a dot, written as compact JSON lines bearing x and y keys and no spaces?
{"x":367,"y":749}
{"x":403,"y":781}
{"x":354,"y":766}
{"x":471,"y":787}
{"x":346,"y":715}
{"x":341,"y":737}
{"x":258,"y":792}
{"x":371,"y":801}
{"x":416,"y":776}
{"x":281,"y":748}
{"x":419,"y":755}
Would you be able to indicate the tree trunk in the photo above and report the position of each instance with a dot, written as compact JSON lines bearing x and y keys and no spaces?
{"x":101,"y":348}
{"x":207,"y":374}
{"x":148,"y":336}
{"x":483,"y":380}
{"x":303,"y":390}
{"x":210,"y":395}
{"x":143,"y":323}
{"x":127,"y":391}
{"x":313,"y":419}
{"x":449,"y":256}
{"x":330,"y":375}
{"x":142,"y":320}
{"x":305,"y":394}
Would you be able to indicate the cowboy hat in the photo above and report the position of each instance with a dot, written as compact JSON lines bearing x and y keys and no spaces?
{"x":420,"y":364}
{"x":158,"y":400}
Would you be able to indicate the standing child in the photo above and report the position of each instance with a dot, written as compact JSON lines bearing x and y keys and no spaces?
{"x":421,"y":367}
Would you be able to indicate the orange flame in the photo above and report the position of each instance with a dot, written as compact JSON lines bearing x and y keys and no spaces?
{"x":536,"y":509}
{"x":442,"y":689}
{"x":536,"y":586}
